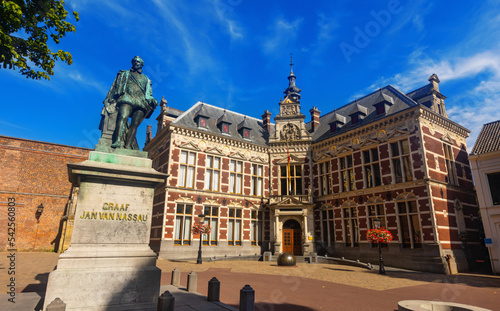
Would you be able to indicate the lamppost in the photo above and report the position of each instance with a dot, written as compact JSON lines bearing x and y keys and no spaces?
{"x":202,"y":218}
{"x":381,"y":269}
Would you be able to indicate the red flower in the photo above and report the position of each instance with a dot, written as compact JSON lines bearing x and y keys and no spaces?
{"x":201,"y":228}
{"x":379,"y":235}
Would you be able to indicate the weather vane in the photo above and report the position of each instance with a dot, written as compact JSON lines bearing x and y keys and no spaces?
{"x":291,"y":63}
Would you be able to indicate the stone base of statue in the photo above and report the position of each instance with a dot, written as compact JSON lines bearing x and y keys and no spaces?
{"x":109,"y":265}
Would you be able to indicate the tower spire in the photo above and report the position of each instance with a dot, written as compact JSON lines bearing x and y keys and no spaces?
{"x":292,"y":90}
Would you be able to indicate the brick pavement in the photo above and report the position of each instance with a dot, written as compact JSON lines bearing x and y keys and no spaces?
{"x":305,"y":287}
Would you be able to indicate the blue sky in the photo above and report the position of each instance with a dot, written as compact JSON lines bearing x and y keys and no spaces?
{"x":236,"y":54}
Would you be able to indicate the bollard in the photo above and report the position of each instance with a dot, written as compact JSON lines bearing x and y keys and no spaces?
{"x":192,"y":282}
{"x":176,"y":277}
{"x":314,"y":258}
{"x":166,"y":302}
{"x":213,"y":290}
{"x":247,"y":298}
{"x":56,"y":305}
{"x":267,"y":256}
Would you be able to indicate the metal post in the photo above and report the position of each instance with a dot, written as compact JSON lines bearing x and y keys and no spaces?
{"x":199,"y":261}
{"x":381,"y":269}
{"x":213,"y":290}
{"x":247,"y":298}
{"x":166,"y":302}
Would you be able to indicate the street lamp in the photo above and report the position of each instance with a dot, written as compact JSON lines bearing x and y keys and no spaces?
{"x":202,"y":218}
{"x":381,"y":269}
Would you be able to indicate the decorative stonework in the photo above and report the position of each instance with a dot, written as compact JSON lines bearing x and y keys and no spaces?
{"x":290,"y":132}
{"x":289,"y":110}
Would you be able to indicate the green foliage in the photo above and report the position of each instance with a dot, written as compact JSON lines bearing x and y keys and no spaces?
{"x":38,"y":20}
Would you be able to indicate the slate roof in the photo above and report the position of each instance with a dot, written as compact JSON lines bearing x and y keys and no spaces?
{"x":488,"y":139}
{"x":420,"y":92}
{"x":258,"y":133}
{"x":389,"y":93}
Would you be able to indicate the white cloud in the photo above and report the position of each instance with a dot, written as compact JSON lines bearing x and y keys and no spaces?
{"x":225,"y":13}
{"x":281,"y":32}
{"x":471,"y":107}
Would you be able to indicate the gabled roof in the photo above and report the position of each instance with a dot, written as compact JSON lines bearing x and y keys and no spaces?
{"x":365,"y":105}
{"x":357,"y":108}
{"x":258,"y":133}
{"x":488,"y":139}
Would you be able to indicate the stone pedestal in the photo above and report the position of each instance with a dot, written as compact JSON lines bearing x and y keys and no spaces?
{"x":109,"y":265}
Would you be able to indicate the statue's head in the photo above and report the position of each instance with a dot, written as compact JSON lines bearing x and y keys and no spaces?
{"x":137,"y":62}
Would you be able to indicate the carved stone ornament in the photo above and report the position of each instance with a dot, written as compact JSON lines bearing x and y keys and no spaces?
{"x":290,"y":132}
{"x":289,"y":110}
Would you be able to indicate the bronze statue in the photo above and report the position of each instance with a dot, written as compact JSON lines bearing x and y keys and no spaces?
{"x":130,"y":96}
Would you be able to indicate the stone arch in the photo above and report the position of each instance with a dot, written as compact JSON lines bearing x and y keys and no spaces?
{"x":348,"y":203}
{"x":185,"y":200}
{"x":375,"y":199}
{"x":211,"y":203}
{"x":235,"y":204}
{"x":406,"y":196}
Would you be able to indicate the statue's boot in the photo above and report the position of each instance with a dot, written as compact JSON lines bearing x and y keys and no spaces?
{"x":130,"y":137}
{"x":121,"y":132}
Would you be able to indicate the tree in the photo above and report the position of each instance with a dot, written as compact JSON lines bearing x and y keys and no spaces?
{"x":38,"y":20}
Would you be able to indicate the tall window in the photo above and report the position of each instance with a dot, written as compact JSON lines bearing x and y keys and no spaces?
{"x":234,"y":227}
{"x":346,"y":173}
{"x":187,"y":168}
{"x":351,"y":230}
{"x":376,"y":211}
{"x":211,"y":218}
{"x":450,"y":164}
{"x":324,"y":178}
{"x":291,"y":185}
{"x":256,"y":180}
{"x":372,"y":168}
{"x":494,"y":183}
{"x":401,"y":161}
{"x":409,"y":224}
{"x":183,"y":223}
{"x":212,"y":173}
{"x":328,"y":227}
{"x":235,"y":176}
{"x":256,"y":228}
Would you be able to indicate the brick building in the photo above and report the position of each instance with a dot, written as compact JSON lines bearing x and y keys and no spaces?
{"x":35,"y":173}
{"x":317,"y":186}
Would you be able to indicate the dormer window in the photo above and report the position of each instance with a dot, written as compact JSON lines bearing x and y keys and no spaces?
{"x":358,"y":112}
{"x":380,"y":108}
{"x":382,"y":103}
{"x":333,"y":127}
{"x":355,"y":119}
{"x":244,"y":128}
{"x":202,"y":122}
{"x":225,"y":128}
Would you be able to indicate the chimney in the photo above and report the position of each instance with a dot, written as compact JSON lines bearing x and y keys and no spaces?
{"x":314,"y":118}
{"x":162,"y":118}
{"x":434,"y":80}
{"x":148,"y":134}
{"x":266,"y":121}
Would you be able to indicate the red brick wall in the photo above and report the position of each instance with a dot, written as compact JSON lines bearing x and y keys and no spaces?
{"x":35,"y":173}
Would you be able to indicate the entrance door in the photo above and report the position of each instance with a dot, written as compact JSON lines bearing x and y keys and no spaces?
{"x":292,"y":237}
{"x":288,"y":236}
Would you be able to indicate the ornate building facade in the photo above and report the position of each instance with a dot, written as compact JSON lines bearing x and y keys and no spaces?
{"x":317,"y":186}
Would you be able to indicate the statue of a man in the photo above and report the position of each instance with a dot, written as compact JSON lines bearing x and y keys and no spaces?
{"x":130,"y":96}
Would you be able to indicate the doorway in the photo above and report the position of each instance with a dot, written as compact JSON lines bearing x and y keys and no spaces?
{"x":292,"y":237}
